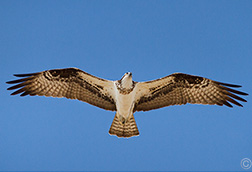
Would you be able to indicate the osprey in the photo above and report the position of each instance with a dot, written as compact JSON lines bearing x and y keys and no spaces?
{"x":126,"y":96}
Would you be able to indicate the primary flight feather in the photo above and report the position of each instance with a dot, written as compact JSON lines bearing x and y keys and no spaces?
{"x":126,"y":96}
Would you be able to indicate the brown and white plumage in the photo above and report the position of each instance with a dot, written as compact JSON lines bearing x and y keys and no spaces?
{"x":71,"y":83}
{"x":179,"y":88}
{"x":125,"y":95}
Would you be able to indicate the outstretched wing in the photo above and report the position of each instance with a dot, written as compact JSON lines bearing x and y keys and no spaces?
{"x":179,"y":88}
{"x":71,"y":83}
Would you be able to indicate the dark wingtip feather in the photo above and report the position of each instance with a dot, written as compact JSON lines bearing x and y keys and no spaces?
{"x":234,"y":91}
{"x":17,"y":86}
{"x":24,"y":93}
{"x":25,"y":75}
{"x":234,"y":96}
{"x":12,"y":82}
{"x":10,"y":88}
{"x":233,"y":101}
{"x":229,"y":93}
{"x":226,"y":84}
{"x":227,"y":104}
{"x":18,"y":91}
{"x":19,"y":80}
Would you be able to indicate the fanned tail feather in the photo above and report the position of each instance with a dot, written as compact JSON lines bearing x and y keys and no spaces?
{"x":128,"y":129}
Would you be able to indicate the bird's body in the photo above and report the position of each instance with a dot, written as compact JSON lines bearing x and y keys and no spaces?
{"x":126,"y":96}
{"x":124,"y":105}
{"x":124,"y":101}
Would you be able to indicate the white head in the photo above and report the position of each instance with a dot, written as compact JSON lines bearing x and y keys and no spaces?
{"x":126,"y":81}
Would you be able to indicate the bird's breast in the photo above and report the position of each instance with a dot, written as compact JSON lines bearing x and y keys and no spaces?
{"x":124,"y":103}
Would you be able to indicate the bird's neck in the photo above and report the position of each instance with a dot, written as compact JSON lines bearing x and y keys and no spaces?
{"x":127,"y":82}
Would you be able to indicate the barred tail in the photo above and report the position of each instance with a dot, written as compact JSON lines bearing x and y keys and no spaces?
{"x":128,"y":129}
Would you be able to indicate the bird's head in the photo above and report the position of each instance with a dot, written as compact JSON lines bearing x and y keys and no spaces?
{"x":126,"y":81}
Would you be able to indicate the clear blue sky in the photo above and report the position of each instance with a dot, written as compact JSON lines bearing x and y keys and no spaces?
{"x":152,"y":39}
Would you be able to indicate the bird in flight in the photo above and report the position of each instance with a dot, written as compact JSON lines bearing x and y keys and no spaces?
{"x":126,"y":96}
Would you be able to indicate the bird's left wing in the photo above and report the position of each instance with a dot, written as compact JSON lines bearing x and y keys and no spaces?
{"x":71,"y":83}
{"x":179,"y":88}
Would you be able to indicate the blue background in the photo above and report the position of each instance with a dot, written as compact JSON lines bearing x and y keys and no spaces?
{"x":152,"y":39}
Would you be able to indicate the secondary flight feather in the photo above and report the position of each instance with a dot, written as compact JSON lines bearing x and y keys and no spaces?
{"x":126,"y":96}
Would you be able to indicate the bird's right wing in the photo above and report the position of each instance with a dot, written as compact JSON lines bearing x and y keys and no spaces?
{"x":71,"y":83}
{"x":179,"y":88}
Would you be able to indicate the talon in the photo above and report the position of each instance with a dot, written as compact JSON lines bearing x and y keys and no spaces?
{"x":122,"y":119}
